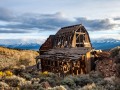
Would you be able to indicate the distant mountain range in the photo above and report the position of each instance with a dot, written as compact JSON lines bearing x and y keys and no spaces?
{"x":105,"y":44}
{"x":30,"y":46}
{"x":33,"y":44}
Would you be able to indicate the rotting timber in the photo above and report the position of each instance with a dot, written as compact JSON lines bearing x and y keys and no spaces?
{"x":69,"y":51}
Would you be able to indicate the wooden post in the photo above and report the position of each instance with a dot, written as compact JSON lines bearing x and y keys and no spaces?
{"x":88,"y":62}
{"x":74,"y":40}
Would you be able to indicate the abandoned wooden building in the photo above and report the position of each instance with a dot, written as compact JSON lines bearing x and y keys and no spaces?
{"x":69,"y":51}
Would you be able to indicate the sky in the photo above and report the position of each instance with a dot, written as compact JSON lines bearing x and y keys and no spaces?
{"x":37,"y":19}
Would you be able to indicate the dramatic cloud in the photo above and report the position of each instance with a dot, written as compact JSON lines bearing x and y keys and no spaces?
{"x":6,"y":15}
{"x":30,"y":23}
{"x":117,"y":18}
{"x":12,"y":31}
{"x":97,"y":24}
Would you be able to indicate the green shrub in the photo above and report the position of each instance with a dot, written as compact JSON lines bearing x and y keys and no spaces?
{"x":51,"y":78}
{"x":52,"y":75}
{"x":82,"y":80}
{"x":27,"y":76}
{"x":97,"y":77}
{"x":51,"y":81}
{"x":69,"y":82}
{"x":95,"y":74}
{"x":31,"y":87}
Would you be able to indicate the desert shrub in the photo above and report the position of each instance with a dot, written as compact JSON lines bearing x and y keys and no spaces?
{"x":32,"y":87}
{"x":93,"y":86}
{"x":75,"y":82}
{"x":43,"y":74}
{"x":4,"y":86}
{"x":107,"y":83}
{"x":7,"y":68}
{"x":8,"y":73}
{"x":25,"y":62}
{"x":35,"y":74}
{"x":52,"y":75}
{"x":95,"y":74}
{"x":55,"y":79}
{"x":110,"y":87}
{"x":97,"y":78}
{"x":58,"y":88}
{"x":51,"y":78}
{"x":115,"y":51}
{"x":69,"y":82}
{"x":99,"y":88}
{"x":22,"y":67}
{"x":14,"y":81}
{"x":82,"y":80}
{"x":35,"y":80}
{"x":88,"y":87}
{"x":27,"y":76}
{"x":67,"y":87}
{"x":101,"y":82}
{"x":51,"y":81}
{"x":19,"y":70}
{"x":2,"y":74}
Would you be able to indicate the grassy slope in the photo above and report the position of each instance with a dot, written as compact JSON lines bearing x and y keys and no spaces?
{"x":12,"y":57}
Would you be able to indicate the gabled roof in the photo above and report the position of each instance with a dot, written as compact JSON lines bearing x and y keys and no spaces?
{"x":69,"y":28}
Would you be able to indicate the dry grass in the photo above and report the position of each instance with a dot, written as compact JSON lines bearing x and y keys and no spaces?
{"x":11,"y":57}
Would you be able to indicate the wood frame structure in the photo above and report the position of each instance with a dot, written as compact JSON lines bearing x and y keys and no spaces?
{"x":69,"y":51}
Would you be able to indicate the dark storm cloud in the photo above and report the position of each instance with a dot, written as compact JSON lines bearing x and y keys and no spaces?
{"x":6,"y":15}
{"x":46,"y":22}
{"x":97,"y":24}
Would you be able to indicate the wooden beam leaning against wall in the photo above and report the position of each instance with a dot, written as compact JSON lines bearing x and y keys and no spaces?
{"x":74,"y":40}
{"x":88,"y":61}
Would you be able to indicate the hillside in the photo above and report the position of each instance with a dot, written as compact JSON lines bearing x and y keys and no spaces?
{"x":12,"y":57}
{"x":23,"y":78}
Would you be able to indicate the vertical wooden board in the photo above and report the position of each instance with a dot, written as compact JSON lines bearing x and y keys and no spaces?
{"x":74,"y":40}
{"x":88,"y":62}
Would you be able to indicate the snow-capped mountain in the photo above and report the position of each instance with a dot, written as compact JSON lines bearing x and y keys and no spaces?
{"x":30,"y":46}
{"x":105,"y":44}
{"x":34,"y":44}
